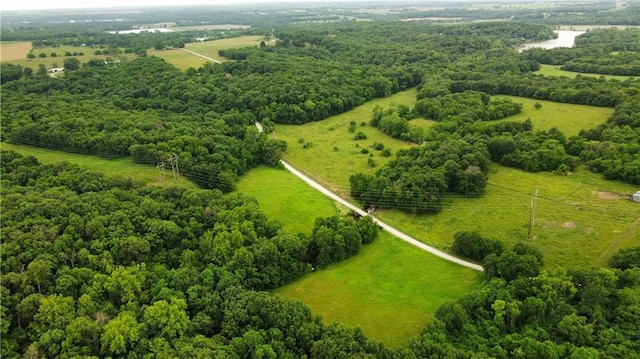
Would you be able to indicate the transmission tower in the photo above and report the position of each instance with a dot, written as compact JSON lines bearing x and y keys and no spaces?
{"x":160,"y":168}
{"x":174,"y":167}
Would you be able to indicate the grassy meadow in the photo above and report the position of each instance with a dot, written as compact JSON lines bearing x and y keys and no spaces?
{"x":183,"y":59}
{"x":568,"y":118}
{"x":554,"y":70}
{"x":333,"y":154}
{"x":123,"y":167}
{"x":390,"y":289}
{"x":581,"y":219}
{"x":285,"y":197}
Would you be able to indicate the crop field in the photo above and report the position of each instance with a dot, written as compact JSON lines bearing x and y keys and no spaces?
{"x":553,"y":70}
{"x":390,"y":289}
{"x":284,"y":197}
{"x":123,"y":167}
{"x":568,"y":118}
{"x":14,"y":50}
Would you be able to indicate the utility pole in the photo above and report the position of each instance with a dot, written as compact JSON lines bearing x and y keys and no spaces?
{"x":160,"y":168}
{"x":532,"y":213}
{"x":174,"y":167}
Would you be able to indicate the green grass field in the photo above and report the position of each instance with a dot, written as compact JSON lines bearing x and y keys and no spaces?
{"x":211,"y":48}
{"x":123,"y":167}
{"x":574,"y":225}
{"x":568,"y":118}
{"x":554,"y":70}
{"x":333,"y":154}
{"x":183,"y":60}
{"x":284,"y":197}
{"x":390,"y":289}
{"x":580,"y":220}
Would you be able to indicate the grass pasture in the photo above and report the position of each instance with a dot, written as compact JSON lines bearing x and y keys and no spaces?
{"x":211,"y":48}
{"x":576,"y":223}
{"x":333,"y":154}
{"x":580,"y":220}
{"x":568,"y":118}
{"x":390,"y":289}
{"x":14,"y":50}
{"x":123,"y":167}
{"x":553,"y":70}
{"x":288,"y":199}
{"x":179,"y":58}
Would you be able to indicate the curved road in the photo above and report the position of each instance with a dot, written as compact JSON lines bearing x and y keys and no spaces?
{"x":384,"y":226}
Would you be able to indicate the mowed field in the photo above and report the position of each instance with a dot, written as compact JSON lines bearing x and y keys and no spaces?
{"x":390,"y":289}
{"x":581,"y":219}
{"x":554,"y":70}
{"x":123,"y":167}
{"x":183,"y":59}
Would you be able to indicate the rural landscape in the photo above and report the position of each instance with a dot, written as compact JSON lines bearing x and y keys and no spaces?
{"x":321,"y":180}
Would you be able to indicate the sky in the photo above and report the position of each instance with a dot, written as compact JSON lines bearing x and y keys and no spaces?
{"x":83,"y":4}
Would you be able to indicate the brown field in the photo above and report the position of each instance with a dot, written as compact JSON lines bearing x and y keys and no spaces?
{"x":14,"y":50}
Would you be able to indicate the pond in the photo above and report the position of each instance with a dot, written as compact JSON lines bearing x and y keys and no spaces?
{"x":566,"y":38}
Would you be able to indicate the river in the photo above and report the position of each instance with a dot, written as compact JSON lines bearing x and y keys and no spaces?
{"x":566,"y":38}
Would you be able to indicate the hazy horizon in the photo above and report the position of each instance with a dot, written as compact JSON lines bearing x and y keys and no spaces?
{"x":83,"y":4}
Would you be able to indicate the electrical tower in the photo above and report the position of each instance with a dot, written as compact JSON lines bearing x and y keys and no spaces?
{"x":174,"y":167}
{"x":160,"y":168}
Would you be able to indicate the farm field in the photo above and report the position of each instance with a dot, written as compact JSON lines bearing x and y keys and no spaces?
{"x":49,"y":62}
{"x":390,"y":289}
{"x":123,"y":167}
{"x":553,"y":70}
{"x":14,"y":50}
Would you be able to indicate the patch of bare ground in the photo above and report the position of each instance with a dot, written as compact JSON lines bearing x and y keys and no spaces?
{"x":609,"y":195}
{"x":569,"y":224}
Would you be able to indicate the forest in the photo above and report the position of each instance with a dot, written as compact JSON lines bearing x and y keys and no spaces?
{"x":100,"y":266}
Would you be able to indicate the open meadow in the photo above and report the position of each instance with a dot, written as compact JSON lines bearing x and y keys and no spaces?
{"x":390,"y":289}
{"x":581,"y":219}
{"x":184,"y":60}
{"x":123,"y":167}
{"x":554,"y":70}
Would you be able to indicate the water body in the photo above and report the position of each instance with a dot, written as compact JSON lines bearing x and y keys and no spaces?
{"x":137,"y":31}
{"x":566,"y":38}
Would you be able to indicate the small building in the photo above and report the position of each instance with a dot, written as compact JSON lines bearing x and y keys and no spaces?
{"x":636,"y":197}
{"x":56,"y":70}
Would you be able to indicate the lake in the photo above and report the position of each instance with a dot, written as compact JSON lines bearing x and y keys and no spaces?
{"x":566,"y":38}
